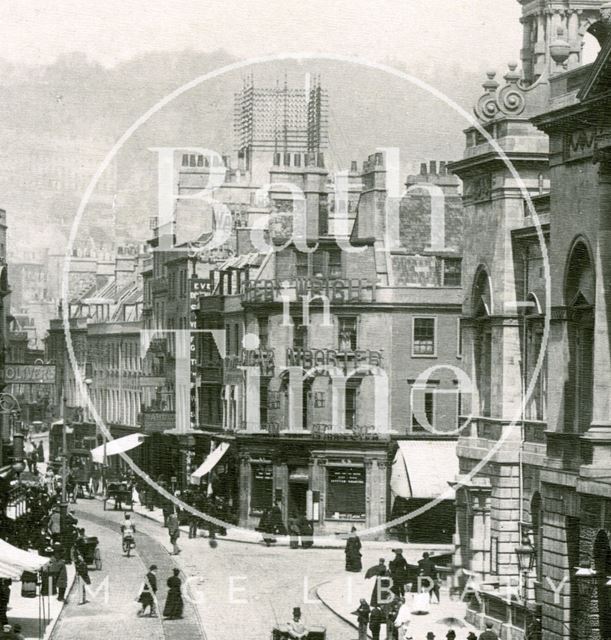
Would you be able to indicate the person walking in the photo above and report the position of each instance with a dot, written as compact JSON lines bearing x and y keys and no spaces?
{"x":59,"y":568}
{"x":174,"y":604}
{"x":403,"y":619}
{"x":306,"y":531}
{"x":376,"y":620}
{"x":353,"y":552}
{"x":82,"y":573}
{"x":5,"y":596}
{"x":398,"y":572}
{"x":428,"y":570}
{"x":148,"y":593}
{"x":41,"y":451}
{"x":174,"y":532}
{"x":362,"y":616}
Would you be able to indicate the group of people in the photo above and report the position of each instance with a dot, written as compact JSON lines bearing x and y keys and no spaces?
{"x":299,"y":528}
{"x":147,"y":596}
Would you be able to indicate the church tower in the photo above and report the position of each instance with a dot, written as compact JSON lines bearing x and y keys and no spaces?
{"x":554,"y":33}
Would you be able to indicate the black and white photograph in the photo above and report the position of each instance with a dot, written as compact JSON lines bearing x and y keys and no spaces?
{"x":305,"y":320}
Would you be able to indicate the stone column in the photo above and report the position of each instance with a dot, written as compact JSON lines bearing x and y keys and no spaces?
{"x":252,"y":415}
{"x":317,"y":483}
{"x":281,"y":482}
{"x":599,"y":433}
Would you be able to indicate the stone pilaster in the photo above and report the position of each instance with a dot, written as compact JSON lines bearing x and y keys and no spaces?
{"x":245,"y":488}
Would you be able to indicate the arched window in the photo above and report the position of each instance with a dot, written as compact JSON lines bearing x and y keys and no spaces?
{"x":532,"y":339}
{"x":481,"y":309}
{"x":579,"y":297}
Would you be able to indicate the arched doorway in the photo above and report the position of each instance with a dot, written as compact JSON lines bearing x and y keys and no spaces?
{"x":602,"y":566}
{"x":579,"y":297}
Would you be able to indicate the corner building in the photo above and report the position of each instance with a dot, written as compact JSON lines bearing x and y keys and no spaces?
{"x":325,"y":351}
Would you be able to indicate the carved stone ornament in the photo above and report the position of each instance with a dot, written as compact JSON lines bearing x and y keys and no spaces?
{"x":510,"y":100}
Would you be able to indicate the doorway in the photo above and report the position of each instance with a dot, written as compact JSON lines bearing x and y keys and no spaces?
{"x":298,"y":492}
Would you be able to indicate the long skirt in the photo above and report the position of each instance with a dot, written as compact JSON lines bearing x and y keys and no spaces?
{"x":173,"y":605}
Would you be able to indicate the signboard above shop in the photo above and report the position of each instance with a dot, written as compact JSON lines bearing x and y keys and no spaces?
{"x":29,"y":373}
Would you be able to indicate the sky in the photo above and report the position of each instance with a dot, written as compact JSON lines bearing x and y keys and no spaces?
{"x":471,"y":33}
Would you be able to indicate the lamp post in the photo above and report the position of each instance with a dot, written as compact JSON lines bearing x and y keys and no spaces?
{"x":525,"y":553}
{"x":586,"y":578}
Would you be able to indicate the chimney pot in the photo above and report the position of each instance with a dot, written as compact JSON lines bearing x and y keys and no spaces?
{"x":353,"y":166}
{"x":423,"y":170}
{"x":442,"y":168}
{"x":433,"y":167}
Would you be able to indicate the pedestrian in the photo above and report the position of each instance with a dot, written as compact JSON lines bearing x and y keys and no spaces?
{"x":362,"y":616}
{"x":382,"y":580}
{"x":82,"y":573}
{"x":353,"y":552}
{"x":293,"y":526}
{"x":306,"y":531}
{"x":5,"y":596}
{"x":376,"y":620}
{"x":398,"y":572}
{"x":173,"y":604}
{"x":428,"y":571}
{"x":490,"y":633}
{"x":174,"y":532}
{"x":265,"y":527}
{"x":59,"y":568}
{"x":50,"y":482}
{"x":148,"y":592}
{"x":403,"y":619}
{"x":41,"y":452}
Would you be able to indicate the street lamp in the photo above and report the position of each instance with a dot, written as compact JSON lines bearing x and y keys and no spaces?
{"x":525,"y":553}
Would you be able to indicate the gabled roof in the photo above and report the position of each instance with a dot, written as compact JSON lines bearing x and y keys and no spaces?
{"x":598,"y":82}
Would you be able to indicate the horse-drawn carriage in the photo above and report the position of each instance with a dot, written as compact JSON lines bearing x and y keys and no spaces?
{"x":120,"y":493}
{"x":90,"y":550}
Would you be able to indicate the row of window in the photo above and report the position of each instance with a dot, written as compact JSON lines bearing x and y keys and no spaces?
{"x":177,"y":284}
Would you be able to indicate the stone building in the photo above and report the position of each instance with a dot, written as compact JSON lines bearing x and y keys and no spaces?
{"x":533,"y":497}
{"x":311,"y":363}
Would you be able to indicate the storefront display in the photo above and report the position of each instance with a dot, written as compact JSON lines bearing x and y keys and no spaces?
{"x":261,"y":496}
{"x":345,"y":499}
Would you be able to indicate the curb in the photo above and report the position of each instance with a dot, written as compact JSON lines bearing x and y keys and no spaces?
{"x":53,"y":623}
{"x":334,"y":612}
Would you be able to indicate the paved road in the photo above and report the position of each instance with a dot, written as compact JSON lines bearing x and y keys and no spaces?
{"x":239,"y":590}
{"x":101,"y":618}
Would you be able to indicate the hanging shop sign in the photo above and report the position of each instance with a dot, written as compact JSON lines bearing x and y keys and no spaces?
{"x":262,"y":358}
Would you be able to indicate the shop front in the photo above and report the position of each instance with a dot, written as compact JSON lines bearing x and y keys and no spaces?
{"x":335,"y":485}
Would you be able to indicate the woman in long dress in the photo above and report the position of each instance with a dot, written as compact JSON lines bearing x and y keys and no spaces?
{"x":174,"y":604}
{"x":353,"y":552}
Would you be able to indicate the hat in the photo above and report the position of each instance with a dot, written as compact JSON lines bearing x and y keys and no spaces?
{"x":397,"y":550}
{"x":451,"y":634}
{"x":471,"y":636}
{"x":296,"y":611}
{"x":7,"y":628}
{"x":430,"y":636}
{"x":382,"y":561}
{"x":153,"y":567}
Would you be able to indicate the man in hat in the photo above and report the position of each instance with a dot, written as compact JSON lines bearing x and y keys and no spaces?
{"x":7,"y":632}
{"x":362,"y":614}
{"x":382,"y":582}
{"x":296,"y":627}
{"x":489,"y":634}
{"x":398,"y":572}
{"x":430,"y":636}
{"x":428,"y":571}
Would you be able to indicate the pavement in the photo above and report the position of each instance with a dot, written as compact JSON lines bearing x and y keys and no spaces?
{"x":250,"y":536}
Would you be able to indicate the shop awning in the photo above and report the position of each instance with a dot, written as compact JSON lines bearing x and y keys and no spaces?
{"x":209,"y":463}
{"x":120,"y":445}
{"x":423,"y":468}
{"x":14,"y":561}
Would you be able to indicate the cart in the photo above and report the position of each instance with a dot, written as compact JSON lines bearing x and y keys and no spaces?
{"x":90,"y":549}
{"x":120,"y":494}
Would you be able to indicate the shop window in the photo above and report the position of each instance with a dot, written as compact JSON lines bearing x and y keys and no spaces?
{"x":345,"y":499}
{"x":261,"y":494}
{"x":301,"y":259}
{"x":417,"y":397}
{"x":263,"y":401}
{"x":350,"y":415}
{"x":423,"y":337}
{"x":452,"y":272}
{"x":300,"y":337}
{"x":347,"y":333}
